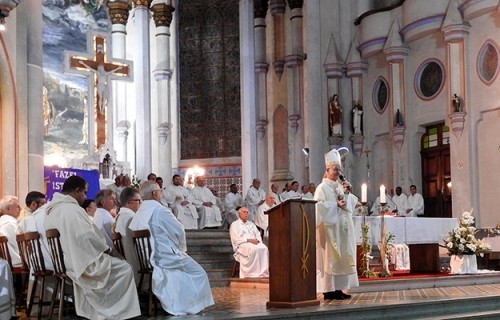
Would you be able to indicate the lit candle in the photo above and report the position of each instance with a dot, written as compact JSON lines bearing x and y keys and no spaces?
{"x":363,"y":193}
{"x":382,"y":194}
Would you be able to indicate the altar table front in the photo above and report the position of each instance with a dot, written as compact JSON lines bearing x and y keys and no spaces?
{"x":422,"y":235}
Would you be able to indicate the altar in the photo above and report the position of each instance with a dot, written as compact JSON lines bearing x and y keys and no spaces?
{"x":422,"y":235}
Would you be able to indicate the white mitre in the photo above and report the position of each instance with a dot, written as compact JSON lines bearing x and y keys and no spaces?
{"x":333,"y":157}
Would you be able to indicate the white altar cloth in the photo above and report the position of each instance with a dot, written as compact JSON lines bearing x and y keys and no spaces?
{"x":407,"y":230}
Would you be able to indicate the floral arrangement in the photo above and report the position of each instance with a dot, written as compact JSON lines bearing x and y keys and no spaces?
{"x":462,"y":241}
{"x":136,"y":182}
{"x":366,"y":250}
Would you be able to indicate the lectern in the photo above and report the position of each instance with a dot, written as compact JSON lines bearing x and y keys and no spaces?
{"x":292,"y":254}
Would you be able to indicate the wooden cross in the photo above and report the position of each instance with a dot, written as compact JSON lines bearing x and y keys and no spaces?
{"x":100,"y":69}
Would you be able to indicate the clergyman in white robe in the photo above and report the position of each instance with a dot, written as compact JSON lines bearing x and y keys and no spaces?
{"x":181,"y":202}
{"x":335,"y":236}
{"x":249,"y":250}
{"x":206,"y":204}
{"x":7,"y":295}
{"x":103,"y":285}
{"x":254,"y":198}
{"x":179,"y":282}
{"x":232,"y":201}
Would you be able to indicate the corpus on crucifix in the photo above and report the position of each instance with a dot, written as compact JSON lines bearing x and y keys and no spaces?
{"x":97,"y":65}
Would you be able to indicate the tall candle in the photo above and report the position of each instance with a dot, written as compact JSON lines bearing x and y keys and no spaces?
{"x":363,"y":193}
{"x":382,"y":194}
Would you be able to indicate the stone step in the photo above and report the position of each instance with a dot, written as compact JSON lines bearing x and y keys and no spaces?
{"x":469,"y":315}
{"x":213,"y":264}
{"x":220,"y":256}
{"x":207,"y":234}
{"x":209,"y":249}
{"x":197,"y":242}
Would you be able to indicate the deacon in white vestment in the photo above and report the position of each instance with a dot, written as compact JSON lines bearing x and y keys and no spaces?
{"x":206,"y":204}
{"x":335,"y":236}
{"x":415,"y":203}
{"x":10,"y":209}
{"x":401,"y":202}
{"x":254,"y":198}
{"x":249,"y":250}
{"x":262,"y":219}
{"x":274,"y":191}
{"x":130,"y":201}
{"x":103,"y":283}
{"x":179,"y":282}
{"x":293,"y":193}
{"x":181,"y":202}
{"x":232,"y":201}
{"x":106,"y":202}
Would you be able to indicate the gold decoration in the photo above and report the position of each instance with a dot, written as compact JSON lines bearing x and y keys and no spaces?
{"x":305,"y":242}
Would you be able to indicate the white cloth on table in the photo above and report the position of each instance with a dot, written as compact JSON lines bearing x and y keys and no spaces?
{"x":187,"y":214}
{"x":400,"y":256}
{"x":335,"y":240}
{"x":7,"y":295}
{"x":209,"y":216}
{"x":103,"y":286}
{"x":253,"y":258}
{"x":179,"y":282}
{"x":104,"y":222}
{"x":252,"y":199}
{"x":8,"y":228}
{"x":123,"y":220}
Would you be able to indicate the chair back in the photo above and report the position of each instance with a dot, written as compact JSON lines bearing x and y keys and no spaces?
{"x":34,"y":253}
{"x":142,"y":246}
{"x":117,"y":243}
{"x":56,"y":253}
{"x":23,"y":253}
{"x":4,"y":250}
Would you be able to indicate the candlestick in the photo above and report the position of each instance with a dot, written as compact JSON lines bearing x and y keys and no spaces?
{"x":363,"y":192}
{"x":382,"y":194}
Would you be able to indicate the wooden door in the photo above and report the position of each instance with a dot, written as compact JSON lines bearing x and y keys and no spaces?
{"x":436,"y":171}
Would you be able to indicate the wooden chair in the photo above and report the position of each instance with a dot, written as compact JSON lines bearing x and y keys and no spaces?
{"x":32,"y":250}
{"x":19,"y":274}
{"x":117,"y":243}
{"x":236,"y":269}
{"x":142,"y":245}
{"x":57,"y":258}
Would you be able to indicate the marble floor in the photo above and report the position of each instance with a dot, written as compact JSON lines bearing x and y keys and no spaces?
{"x":248,"y":302}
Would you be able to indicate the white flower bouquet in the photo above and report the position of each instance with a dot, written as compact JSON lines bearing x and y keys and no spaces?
{"x":462,"y":240}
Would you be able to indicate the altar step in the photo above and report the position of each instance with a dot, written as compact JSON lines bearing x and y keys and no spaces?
{"x":212,"y":249}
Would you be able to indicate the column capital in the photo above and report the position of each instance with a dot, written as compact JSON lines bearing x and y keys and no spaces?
{"x":277,"y":6}
{"x":260,"y":9}
{"x":141,"y":3}
{"x":118,"y":12}
{"x":295,"y":4}
{"x":455,"y":33}
{"x":162,"y":14}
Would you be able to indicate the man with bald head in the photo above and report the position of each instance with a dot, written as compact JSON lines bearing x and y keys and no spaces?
{"x":255,"y":197}
{"x":262,"y":219}
{"x":249,"y":250}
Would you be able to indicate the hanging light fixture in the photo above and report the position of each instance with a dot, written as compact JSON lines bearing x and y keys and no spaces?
{"x":6,"y":6}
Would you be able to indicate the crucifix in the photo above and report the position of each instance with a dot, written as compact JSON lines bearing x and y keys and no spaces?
{"x":97,"y":65}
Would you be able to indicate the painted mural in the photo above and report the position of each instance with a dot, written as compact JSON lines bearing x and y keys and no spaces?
{"x":65,"y":97}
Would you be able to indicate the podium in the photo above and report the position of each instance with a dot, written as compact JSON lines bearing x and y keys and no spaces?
{"x":292,"y":254}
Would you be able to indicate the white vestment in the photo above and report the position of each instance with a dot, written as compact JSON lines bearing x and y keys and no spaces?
{"x":262,"y":220}
{"x":209,"y":216}
{"x":253,"y":258}
{"x":103,"y":286}
{"x":179,"y":282}
{"x":335,"y":240}
{"x":187,"y":215}
{"x":308,"y":195}
{"x":292,"y":194}
{"x":416,"y":202}
{"x":252,"y":200}
{"x":104,"y":222}
{"x":122,"y":222}
{"x":7,"y":295}
{"x":231,"y":202}
{"x":8,"y":228}
{"x":401,"y":202}
{"x":277,"y":198}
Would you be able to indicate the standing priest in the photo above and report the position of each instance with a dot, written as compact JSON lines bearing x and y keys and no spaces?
{"x":335,"y":238}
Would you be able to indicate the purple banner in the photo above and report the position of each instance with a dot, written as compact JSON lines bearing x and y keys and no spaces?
{"x":54,"y":179}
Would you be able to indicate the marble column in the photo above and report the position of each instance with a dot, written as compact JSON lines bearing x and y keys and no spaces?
{"x":248,"y":104}
{"x":162,"y":16}
{"x":118,"y":14}
{"x":456,"y":35}
{"x":143,"y":134}
{"x":261,"y":68}
{"x":295,"y":62}
{"x":34,"y":74}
